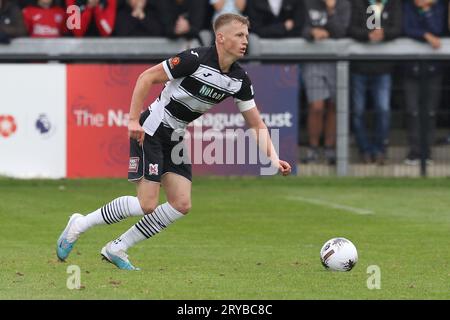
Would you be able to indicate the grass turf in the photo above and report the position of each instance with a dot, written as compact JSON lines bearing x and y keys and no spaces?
{"x":245,"y":238}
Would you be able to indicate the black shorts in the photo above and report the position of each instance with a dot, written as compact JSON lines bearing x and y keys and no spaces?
{"x":153,"y":159}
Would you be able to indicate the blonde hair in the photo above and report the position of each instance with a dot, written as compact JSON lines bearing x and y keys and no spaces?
{"x":226,"y":18}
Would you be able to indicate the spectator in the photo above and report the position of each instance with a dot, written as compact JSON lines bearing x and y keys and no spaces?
{"x":422,"y":20}
{"x":139,"y":18}
{"x":227,"y":6}
{"x":25,"y":3}
{"x":444,"y":140}
{"x":44,"y":20}
{"x":325,"y":19}
{"x":11,"y":21}
{"x":97,"y":17}
{"x":184,"y":18}
{"x":373,"y":76}
{"x":276,"y":18}
{"x":217,"y":8}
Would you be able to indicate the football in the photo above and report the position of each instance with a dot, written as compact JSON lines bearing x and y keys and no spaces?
{"x":339,"y":254}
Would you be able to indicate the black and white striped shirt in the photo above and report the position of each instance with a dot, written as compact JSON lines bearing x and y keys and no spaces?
{"x":196,"y":85}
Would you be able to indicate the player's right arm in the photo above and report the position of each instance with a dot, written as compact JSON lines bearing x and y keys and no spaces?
{"x":182,"y":65}
{"x":153,"y":75}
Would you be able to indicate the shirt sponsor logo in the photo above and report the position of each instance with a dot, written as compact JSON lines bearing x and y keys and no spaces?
{"x":209,"y":92}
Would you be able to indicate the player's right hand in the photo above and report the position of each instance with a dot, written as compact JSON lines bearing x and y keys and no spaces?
{"x":135,"y":131}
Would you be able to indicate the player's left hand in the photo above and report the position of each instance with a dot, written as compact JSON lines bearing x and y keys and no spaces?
{"x":284,"y":168}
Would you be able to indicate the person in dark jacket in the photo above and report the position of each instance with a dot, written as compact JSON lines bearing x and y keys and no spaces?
{"x":11,"y":21}
{"x":184,"y":18}
{"x":276,"y":18}
{"x":139,"y":18}
{"x":423,"y":20}
{"x":325,"y":19}
{"x":375,"y":77}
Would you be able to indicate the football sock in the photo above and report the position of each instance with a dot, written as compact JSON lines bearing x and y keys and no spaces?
{"x":112,"y":212}
{"x":147,"y":227}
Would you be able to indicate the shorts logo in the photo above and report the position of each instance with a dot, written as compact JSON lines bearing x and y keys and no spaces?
{"x":173,"y":62}
{"x":134,"y":165}
{"x":153,"y":169}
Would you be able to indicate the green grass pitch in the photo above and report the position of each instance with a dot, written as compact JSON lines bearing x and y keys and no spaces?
{"x":245,"y":238}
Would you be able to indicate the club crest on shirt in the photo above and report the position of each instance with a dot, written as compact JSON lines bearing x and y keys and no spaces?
{"x":153,"y":169}
{"x":133,"y":165}
{"x":173,"y":62}
{"x":58,"y":18}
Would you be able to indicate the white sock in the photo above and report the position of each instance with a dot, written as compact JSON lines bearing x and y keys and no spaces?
{"x":147,"y":227}
{"x":112,"y":212}
{"x":128,"y":239}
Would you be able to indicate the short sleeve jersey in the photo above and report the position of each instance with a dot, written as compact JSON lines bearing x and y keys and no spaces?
{"x":196,"y":85}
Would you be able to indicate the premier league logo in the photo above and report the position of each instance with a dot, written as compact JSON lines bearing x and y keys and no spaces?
{"x":43,"y":125}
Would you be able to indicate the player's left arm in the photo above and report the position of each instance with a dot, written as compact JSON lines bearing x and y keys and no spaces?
{"x":254,"y":121}
{"x":244,"y":99}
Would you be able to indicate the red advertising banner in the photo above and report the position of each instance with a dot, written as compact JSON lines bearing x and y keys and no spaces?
{"x":98,"y":99}
{"x":98,"y":102}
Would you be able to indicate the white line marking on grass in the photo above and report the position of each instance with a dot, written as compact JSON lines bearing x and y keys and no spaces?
{"x":332,"y":205}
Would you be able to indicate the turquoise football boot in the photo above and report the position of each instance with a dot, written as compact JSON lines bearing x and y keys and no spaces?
{"x":67,"y":239}
{"x":117,"y":258}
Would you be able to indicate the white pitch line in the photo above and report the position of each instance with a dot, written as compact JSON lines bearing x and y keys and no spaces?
{"x":332,"y":205}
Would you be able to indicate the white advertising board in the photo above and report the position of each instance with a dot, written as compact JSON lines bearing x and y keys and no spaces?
{"x":33,"y":120}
